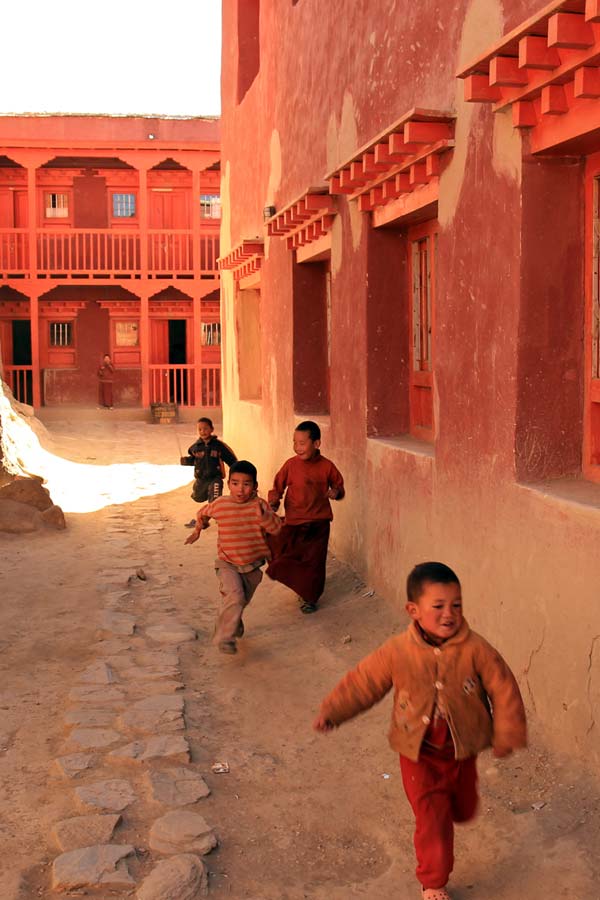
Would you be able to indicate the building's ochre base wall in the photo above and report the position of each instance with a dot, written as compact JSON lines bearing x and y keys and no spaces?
{"x":508,"y":351}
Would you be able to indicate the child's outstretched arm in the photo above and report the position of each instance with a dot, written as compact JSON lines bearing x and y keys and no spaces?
{"x":358,"y":690}
{"x":203,"y":517}
{"x":336,"y":484}
{"x":269,"y":522}
{"x":279,"y":486}
{"x":508,"y":710}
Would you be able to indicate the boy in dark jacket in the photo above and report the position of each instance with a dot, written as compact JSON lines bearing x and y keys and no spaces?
{"x":208,"y":456}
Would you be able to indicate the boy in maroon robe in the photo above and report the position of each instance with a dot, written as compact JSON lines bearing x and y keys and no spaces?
{"x":309,"y":482}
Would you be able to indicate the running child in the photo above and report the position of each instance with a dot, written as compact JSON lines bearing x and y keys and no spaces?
{"x":208,"y":456}
{"x":309,"y":481}
{"x":243,"y":518}
{"x":453,"y":696}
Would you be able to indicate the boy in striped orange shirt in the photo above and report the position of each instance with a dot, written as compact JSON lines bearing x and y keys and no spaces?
{"x":242,"y":519}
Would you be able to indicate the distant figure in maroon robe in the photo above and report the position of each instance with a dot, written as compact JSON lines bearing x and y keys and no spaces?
{"x":106,"y":374}
{"x":309,"y":481}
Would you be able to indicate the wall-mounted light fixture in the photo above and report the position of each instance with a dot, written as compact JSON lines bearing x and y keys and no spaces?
{"x":268,"y":212}
{"x":150,"y":137}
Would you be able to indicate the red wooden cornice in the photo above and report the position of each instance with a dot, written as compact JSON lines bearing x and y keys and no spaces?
{"x":305,"y":219}
{"x":53,"y":308}
{"x":547,"y":68}
{"x":245,"y":259}
{"x":406,"y":154}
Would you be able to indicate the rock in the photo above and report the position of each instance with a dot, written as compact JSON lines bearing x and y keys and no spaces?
{"x":145,"y":688}
{"x":141,"y":574}
{"x":96,"y":718}
{"x":74,"y":763}
{"x":157,"y":658}
{"x":118,"y":623}
{"x":84,"y":831}
{"x":160,"y":713}
{"x":181,"y":877}
{"x":114,"y":795}
{"x":20,"y":518}
{"x":174,"y":747}
{"x":27,"y":490}
{"x":182,"y":831}
{"x":95,"y":738}
{"x":98,"y":695}
{"x":98,"y":673}
{"x":177,"y":787}
{"x":103,"y":864}
{"x":171,"y":634}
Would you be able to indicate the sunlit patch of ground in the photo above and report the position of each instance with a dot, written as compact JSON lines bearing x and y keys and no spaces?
{"x":80,"y":487}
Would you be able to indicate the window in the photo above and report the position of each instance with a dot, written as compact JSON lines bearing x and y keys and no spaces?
{"x":126,"y":334}
{"x":123,"y":206}
{"x":312,"y":337}
{"x":61,"y":334}
{"x":248,"y":332}
{"x":210,"y":206}
{"x":422,"y":253}
{"x":248,"y":34}
{"x":211,"y":334}
{"x":56,"y":206}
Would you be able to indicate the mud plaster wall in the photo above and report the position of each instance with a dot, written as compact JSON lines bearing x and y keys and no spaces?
{"x":330,"y":78}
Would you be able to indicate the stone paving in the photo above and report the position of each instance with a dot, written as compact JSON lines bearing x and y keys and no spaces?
{"x":127,"y":736}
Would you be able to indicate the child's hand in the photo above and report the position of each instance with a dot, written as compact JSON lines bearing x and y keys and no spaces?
{"x":332,"y":494}
{"x":274,"y":504}
{"x":500,"y":752}
{"x":323,"y":725}
{"x":192,"y":538}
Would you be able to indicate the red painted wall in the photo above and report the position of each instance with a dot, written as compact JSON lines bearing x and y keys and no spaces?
{"x":508,"y":342}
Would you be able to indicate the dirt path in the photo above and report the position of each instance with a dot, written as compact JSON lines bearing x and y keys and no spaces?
{"x":298,"y":815}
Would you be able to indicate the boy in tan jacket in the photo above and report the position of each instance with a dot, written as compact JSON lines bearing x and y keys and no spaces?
{"x":446,"y":680}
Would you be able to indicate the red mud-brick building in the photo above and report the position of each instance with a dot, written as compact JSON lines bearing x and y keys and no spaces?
{"x":409,"y":253}
{"x":109,"y":240}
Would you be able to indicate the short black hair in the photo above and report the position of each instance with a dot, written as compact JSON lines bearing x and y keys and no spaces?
{"x":207,"y":420}
{"x":243,"y":467}
{"x":428,"y":573}
{"x":312,"y":428}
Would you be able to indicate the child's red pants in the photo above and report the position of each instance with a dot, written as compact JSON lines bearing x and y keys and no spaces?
{"x":441,"y":791}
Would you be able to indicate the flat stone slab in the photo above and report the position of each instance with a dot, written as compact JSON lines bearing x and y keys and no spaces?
{"x":157,"y":658}
{"x":149,"y":673}
{"x":95,"y":738}
{"x":113,"y":795}
{"x":182,"y":831}
{"x":98,"y":673}
{"x":103,"y":864}
{"x":182,"y":877}
{"x":159,"y":713}
{"x":171,"y":633}
{"x":167,"y":746}
{"x":177,"y":787}
{"x":74,"y":763}
{"x":97,"y":695}
{"x":145,"y":688}
{"x":84,"y":831}
{"x":94,"y":718}
{"x":117,"y":623}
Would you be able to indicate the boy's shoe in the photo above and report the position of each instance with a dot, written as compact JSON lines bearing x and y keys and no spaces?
{"x":240,"y":630}
{"x":227,"y":647}
{"x":308,"y":608}
{"x":190,"y":524}
{"x":435,"y":894}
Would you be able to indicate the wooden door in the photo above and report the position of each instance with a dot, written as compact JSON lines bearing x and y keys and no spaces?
{"x":159,"y":342}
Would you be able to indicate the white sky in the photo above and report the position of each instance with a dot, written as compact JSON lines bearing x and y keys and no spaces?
{"x":114,"y":56}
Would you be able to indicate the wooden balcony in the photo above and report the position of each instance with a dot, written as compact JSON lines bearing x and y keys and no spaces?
{"x":107,"y":253}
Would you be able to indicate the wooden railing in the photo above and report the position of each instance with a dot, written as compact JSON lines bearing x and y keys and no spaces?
{"x":20,"y":381}
{"x":105,"y":251}
{"x":175,"y":384}
{"x":14,"y":251}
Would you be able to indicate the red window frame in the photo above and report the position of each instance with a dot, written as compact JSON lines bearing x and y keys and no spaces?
{"x":422,"y":258}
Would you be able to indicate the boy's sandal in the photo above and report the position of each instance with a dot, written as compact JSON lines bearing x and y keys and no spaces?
{"x":191,"y":523}
{"x":435,"y":894}
{"x":308,"y":607}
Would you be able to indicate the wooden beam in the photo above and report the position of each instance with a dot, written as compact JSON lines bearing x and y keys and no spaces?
{"x":505,"y":72}
{"x":426,"y":132}
{"x":569,"y":31}
{"x":432,"y":165}
{"x":523,"y":114}
{"x":418,"y":174}
{"x":592,"y":10}
{"x":534,"y":53}
{"x":554,"y":100}
{"x":478,"y":90}
{"x":586,"y":83}
{"x":382,"y":154}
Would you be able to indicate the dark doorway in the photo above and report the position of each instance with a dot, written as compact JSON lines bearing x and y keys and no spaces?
{"x":178,"y":378}
{"x":21,"y":341}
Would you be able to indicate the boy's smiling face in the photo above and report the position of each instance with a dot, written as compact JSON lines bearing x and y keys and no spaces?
{"x":241,"y":487}
{"x":204,"y":431}
{"x":438,"y":610}
{"x":304,"y":447}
